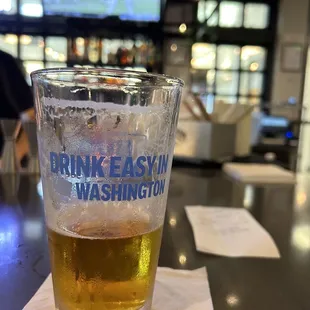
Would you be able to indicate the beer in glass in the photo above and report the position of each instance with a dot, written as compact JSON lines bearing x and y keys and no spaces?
{"x":106,"y":140}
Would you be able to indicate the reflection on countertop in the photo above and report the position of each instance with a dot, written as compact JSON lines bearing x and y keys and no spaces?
{"x":243,"y":283}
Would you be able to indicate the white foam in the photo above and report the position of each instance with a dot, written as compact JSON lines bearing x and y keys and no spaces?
{"x":101,"y":215}
{"x":110,"y":106}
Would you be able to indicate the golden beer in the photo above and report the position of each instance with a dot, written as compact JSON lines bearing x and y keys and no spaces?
{"x":108,"y":266}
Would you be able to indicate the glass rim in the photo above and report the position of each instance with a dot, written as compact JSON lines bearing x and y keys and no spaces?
{"x":161,"y":80}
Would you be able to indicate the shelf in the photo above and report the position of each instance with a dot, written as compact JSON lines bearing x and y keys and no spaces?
{"x":100,"y":63}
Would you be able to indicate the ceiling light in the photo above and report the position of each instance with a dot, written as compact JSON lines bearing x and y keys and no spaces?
{"x":182,"y":28}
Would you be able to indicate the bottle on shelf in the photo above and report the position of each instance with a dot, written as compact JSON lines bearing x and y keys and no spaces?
{"x":94,"y":50}
{"x":113,"y":52}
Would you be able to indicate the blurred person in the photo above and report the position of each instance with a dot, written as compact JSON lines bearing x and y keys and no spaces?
{"x":16,"y":100}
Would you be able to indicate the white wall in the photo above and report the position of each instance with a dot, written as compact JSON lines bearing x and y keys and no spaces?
{"x":303,"y":164}
{"x":292,"y":28}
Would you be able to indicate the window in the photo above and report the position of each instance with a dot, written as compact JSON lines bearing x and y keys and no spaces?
{"x":51,"y":64}
{"x":201,"y":11}
{"x":31,"y":66}
{"x":224,"y":69}
{"x":227,"y":82}
{"x":226,"y":99}
{"x":212,"y":15}
{"x":8,"y":7}
{"x":251,"y":83}
{"x":253,"y":58}
{"x":128,"y":44}
{"x":93,"y":49}
{"x":229,"y":72}
{"x":76,"y":49}
{"x":31,"y":47}
{"x":8,"y":44}
{"x":256,"y":15}
{"x":31,"y":53}
{"x":105,"y":51}
{"x":56,"y":49}
{"x":233,"y":14}
{"x":228,"y":57}
{"x":210,"y":79}
{"x":203,"y":56}
{"x":207,"y":12}
{"x":249,"y":100}
{"x":31,"y":8}
{"x":110,"y":49}
{"x":139,"y":52}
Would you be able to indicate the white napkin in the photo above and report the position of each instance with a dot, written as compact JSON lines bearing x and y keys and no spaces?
{"x":259,"y":173}
{"x":174,"y":290}
{"x":230,"y":232}
{"x":182,"y":290}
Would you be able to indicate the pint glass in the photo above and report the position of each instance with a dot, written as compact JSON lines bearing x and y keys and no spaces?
{"x":106,"y":140}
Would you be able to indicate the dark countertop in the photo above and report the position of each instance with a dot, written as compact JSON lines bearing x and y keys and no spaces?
{"x":235,"y":283}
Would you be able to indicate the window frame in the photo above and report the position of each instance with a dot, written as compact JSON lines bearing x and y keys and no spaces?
{"x":269,"y":3}
{"x":239,"y":70}
{"x":265,"y":38}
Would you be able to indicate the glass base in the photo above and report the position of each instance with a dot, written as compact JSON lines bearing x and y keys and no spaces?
{"x":146,"y":306}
